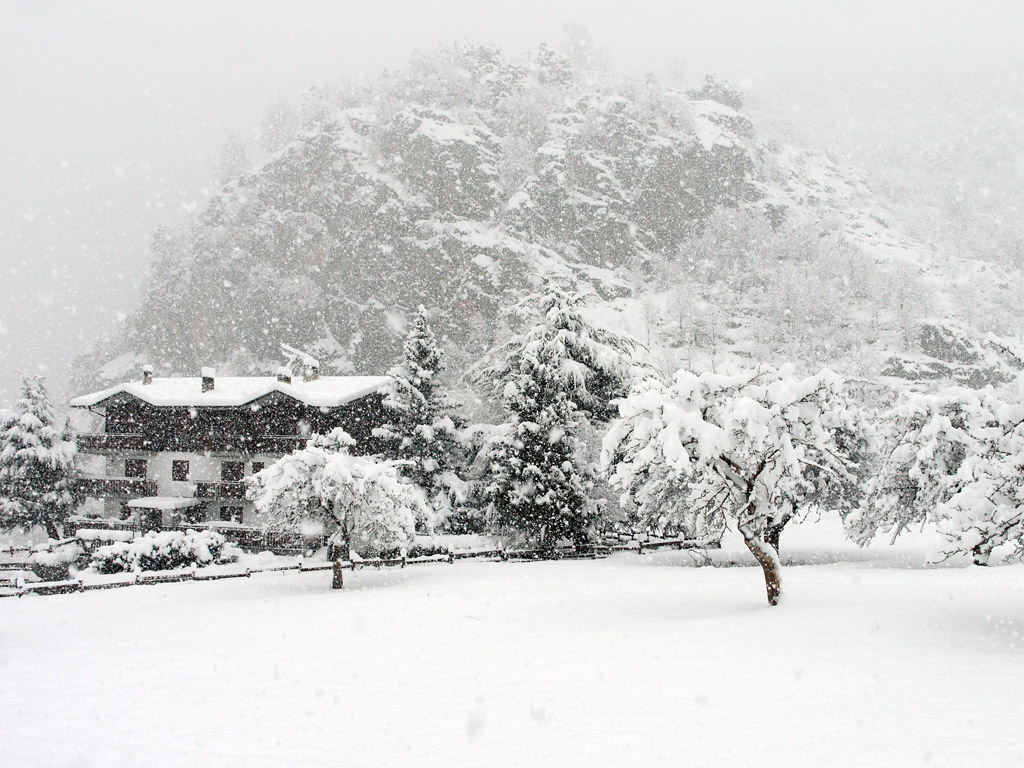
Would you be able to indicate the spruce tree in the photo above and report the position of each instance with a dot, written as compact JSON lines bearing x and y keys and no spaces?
{"x":422,"y":430}
{"x":555,"y":377}
{"x":37,"y":465}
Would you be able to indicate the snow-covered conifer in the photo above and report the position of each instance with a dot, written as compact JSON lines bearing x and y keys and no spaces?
{"x":37,"y":464}
{"x":753,"y":449}
{"x":422,"y":432}
{"x":559,"y":372}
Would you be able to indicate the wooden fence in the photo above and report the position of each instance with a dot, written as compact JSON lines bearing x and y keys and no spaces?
{"x":198,"y":574}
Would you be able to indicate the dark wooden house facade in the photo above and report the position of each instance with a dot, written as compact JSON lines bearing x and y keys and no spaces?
{"x":177,"y":450}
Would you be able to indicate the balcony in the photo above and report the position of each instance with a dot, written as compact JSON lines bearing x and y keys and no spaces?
{"x":220,"y":490}
{"x":106,"y":443}
{"x":121,"y":487}
{"x":193,"y":443}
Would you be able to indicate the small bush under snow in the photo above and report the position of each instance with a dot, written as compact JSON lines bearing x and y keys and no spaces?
{"x":55,"y":565}
{"x":164,"y":550}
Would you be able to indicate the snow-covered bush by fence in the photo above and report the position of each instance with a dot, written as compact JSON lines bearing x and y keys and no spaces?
{"x":164,"y":550}
{"x":55,"y":565}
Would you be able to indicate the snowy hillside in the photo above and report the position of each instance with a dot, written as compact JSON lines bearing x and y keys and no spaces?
{"x":459,"y":182}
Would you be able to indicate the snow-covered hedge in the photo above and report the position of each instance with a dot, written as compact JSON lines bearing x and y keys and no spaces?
{"x":164,"y":550}
{"x":55,"y":565}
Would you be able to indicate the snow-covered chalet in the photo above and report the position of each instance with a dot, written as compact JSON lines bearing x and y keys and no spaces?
{"x":177,"y":449}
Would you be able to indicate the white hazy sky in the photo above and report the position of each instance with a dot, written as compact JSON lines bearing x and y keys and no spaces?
{"x":113,"y":110}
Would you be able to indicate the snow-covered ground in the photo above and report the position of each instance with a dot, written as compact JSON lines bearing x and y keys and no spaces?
{"x":626,"y":661}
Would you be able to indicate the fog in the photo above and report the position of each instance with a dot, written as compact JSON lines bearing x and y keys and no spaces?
{"x":114,"y":112}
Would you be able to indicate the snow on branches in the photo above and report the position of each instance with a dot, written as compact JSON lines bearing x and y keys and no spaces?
{"x":752,"y":449}
{"x":956,"y":459}
{"x":554,"y":377}
{"x":422,"y":432}
{"x":362,"y":501}
{"x":37,"y":465}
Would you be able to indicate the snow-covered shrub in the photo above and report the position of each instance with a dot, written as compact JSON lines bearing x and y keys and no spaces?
{"x":55,"y":565}
{"x":165,"y":550}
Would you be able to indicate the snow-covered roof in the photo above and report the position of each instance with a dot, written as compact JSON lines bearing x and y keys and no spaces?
{"x":323,"y":392}
{"x":164,"y":502}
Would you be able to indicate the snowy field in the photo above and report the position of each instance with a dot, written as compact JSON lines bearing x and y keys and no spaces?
{"x":626,"y":661}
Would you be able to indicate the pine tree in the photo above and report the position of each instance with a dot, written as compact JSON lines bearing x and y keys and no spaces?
{"x":555,"y":377}
{"x":423,"y":431}
{"x":37,"y":465}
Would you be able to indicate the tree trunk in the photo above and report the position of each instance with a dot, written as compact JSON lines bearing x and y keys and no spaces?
{"x":52,"y":531}
{"x":773,"y":532}
{"x":338,"y":582}
{"x":342,"y":552}
{"x":768,"y":559}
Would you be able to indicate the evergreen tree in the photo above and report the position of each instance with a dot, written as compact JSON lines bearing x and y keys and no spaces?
{"x":37,"y":465}
{"x":422,"y":432}
{"x":555,"y":377}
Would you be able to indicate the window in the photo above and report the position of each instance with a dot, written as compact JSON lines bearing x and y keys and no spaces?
{"x":258,"y":466}
{"x":232,"y":471}
{"x":229,"y":514}
{"x":179,"y":469}
{"x":135,"y":468}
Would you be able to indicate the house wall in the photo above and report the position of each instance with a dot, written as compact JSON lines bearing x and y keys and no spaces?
{"x":203,"y":468}
{"x":208,"y":436}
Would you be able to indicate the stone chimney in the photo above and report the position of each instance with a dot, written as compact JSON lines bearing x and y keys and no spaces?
{"x":208,"y":375}
{"x":284,"y":375}
{"x":147,"y":374}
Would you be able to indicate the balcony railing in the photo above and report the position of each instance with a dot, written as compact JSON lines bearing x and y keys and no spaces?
{"x":220,"y":490}
{"x":98,"y":443}
{"x":117,"y":486}
{"x":248,"y":444}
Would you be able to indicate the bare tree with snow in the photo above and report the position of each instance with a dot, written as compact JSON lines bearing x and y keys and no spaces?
{"x":363,"y":502}
{"x":955,"y":459}
{"x":752,"y":449}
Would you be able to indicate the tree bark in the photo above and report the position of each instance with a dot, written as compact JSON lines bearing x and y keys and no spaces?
{"x":772,"y":534}
{"x":52,"y":531}
{"x":342,"y":552}
{"x":768,"y":559}
{"x":980,"y":555}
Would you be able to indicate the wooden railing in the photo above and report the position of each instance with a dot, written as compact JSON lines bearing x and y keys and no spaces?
{"x":99,"y":443}
{"x":117,"y":486}
{"x":220,"y":490}
{"x":247,"y":444}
